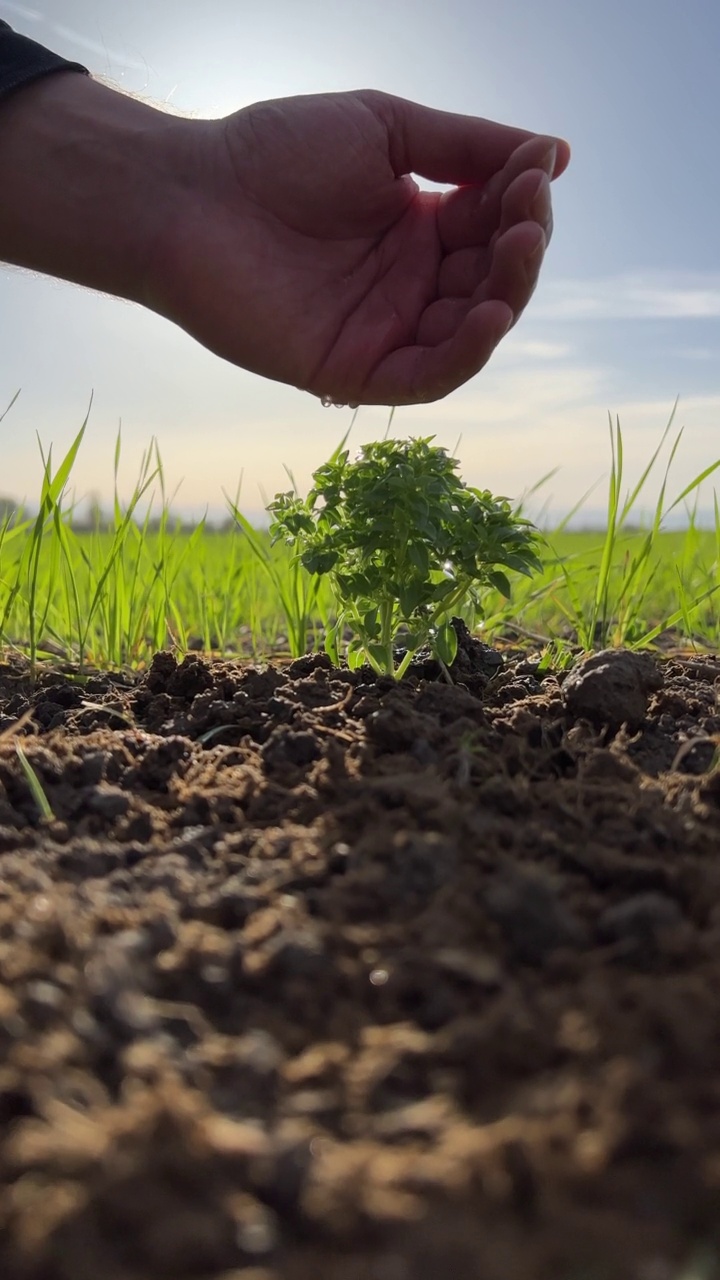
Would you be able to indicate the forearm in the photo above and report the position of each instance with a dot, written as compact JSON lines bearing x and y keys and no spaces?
{"x":89,"y":178}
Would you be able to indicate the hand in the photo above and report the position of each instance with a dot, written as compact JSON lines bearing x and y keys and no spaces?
{"x":303,"y":250}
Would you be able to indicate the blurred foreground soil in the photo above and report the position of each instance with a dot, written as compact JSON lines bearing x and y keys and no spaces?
{"x":315,"y":977}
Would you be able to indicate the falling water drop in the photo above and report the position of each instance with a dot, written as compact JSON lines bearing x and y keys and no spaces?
{"x":327,"y":402}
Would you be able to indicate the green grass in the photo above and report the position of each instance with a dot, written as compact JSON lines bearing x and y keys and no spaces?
{"x":35,"y":785}
{"x":113,"y":596}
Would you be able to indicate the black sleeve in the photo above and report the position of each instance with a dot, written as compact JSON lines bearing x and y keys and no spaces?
{"x":22,"y":60}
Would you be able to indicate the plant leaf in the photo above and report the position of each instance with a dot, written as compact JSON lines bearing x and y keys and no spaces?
{"x":445,"y":643}
{"x":500,"y":582}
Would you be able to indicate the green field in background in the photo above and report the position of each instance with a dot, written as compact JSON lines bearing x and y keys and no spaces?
{"x":115,"y":594}
{"x":83,"y":597}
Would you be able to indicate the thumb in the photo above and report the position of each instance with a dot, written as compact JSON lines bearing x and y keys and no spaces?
{"x":445,"y":147}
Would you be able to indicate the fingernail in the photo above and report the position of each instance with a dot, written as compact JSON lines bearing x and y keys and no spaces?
{"x":535,"y":255}
{"x":549,"y":160}
{"x":540,"y":203}
{"x":505,"y":326}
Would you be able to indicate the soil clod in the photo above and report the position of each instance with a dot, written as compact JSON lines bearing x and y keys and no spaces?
{"x":611,"y":688}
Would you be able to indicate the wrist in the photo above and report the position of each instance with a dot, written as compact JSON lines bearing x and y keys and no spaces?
{"x":90,"y":180}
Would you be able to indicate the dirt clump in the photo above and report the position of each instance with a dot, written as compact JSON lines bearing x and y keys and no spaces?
{"x":612,"y":688}
{"x":315,"y":975}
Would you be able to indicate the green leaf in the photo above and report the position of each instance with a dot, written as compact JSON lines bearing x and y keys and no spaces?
{"x":35,"y":785}
{"x":411,"y":595}
{"x":319,"y":560}
{"x":418,"y":556}
{"x":443,"y":588}
{"x":331,"y":645}
{"x":378,"y":656}
{"x":355,"y":658}
{"x":371,"y":627}
{"x":445,"y":643}
{"x":499,"y":581}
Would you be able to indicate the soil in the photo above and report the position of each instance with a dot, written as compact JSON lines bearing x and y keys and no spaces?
{"x":314,"y":976}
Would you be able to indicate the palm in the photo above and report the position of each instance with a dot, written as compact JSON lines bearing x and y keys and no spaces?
{"x":326,"y":268}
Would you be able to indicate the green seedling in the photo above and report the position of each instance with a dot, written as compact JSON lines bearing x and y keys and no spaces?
{"x":406,"y":545}
{"x":35,"y":785}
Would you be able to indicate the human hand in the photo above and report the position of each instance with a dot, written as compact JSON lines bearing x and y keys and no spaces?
{"x":302,"y":249}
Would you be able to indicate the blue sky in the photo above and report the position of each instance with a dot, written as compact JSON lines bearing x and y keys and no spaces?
{"x":627,"y":314}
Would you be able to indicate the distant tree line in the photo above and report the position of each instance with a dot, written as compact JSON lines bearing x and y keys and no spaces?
{"x":93,"y":517}
{"x":8,"y":508}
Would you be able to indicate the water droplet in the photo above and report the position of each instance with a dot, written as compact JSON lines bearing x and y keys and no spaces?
{"x":327,"y":402}
{"x":354,"y":404}
{"x":379,"y":977}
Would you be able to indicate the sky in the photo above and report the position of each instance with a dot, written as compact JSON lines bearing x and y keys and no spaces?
{"x":626,"y":317}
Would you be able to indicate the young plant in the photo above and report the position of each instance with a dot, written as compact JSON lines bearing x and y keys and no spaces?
{"x":405,"y":544}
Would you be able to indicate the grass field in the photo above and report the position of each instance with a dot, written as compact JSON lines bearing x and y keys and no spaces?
{"x":115,"y":594}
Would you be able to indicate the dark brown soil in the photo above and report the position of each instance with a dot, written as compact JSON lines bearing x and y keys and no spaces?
{"x":315,"y":977}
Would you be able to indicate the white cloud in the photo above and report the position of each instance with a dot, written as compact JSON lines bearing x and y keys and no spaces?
{"x":647,"y":296}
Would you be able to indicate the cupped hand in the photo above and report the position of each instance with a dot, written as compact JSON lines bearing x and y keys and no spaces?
{"x":303,"y":249}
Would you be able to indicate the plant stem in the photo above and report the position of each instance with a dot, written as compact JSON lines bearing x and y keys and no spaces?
{"x":386,"y":617}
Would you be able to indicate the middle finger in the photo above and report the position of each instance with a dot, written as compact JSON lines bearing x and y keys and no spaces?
{"x":526,"y":200}
{"x":470,"y":215}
